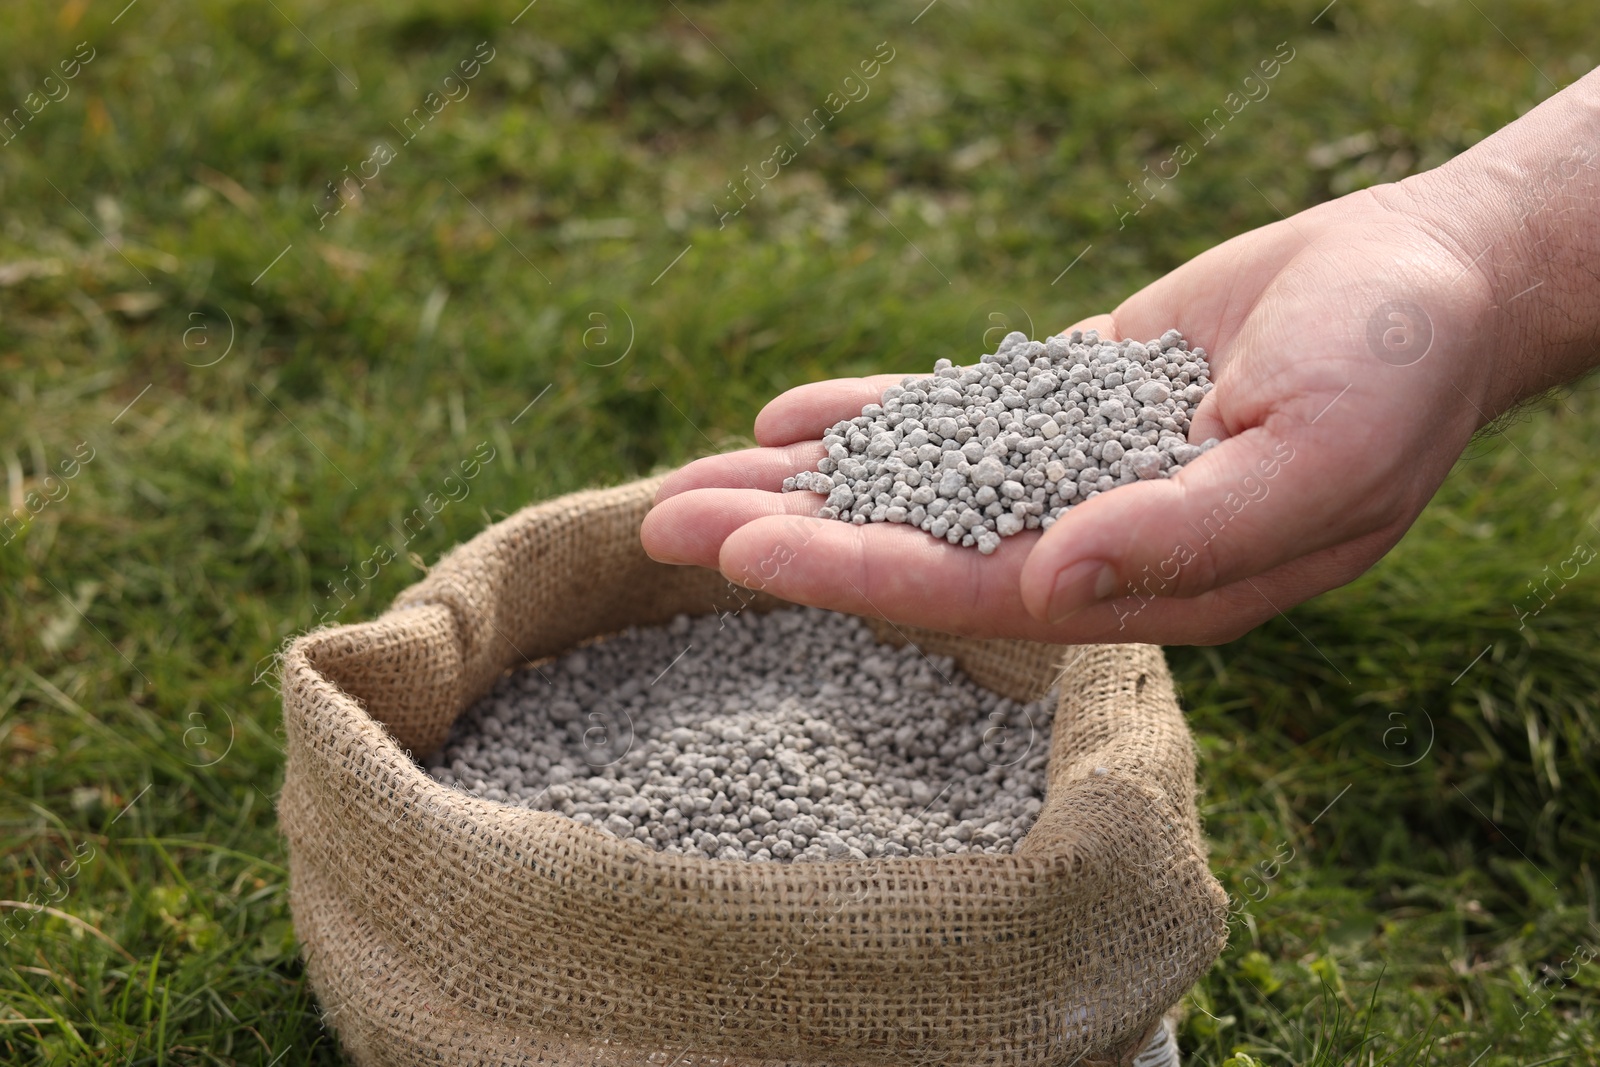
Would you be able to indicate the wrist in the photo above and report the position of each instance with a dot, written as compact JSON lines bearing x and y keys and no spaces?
{"x":1521,"y":211}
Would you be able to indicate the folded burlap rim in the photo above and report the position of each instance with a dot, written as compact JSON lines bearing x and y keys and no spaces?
{"x":441,"y":928}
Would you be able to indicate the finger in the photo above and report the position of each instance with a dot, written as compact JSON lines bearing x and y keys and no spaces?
{"x":1229,"y":612}
{"x":1257,"y":500}
{"x":805,"y":412}
{"x":887,"y":570}
{"x":903,"y":575}
{"x":1104,"y":323}
{"x":690,"y":527}
{"x":750,"y":468}
{"x":1194,"y":298}
{"x":1207,"y":421}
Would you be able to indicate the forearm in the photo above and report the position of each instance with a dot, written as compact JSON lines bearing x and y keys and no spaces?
{"x":1523,"y":209}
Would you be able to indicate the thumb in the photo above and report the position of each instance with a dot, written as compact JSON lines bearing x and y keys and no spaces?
{"x":1256,"y":500}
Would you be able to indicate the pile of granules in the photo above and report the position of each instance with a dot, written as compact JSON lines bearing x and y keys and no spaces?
{"x":790,"y":735}
{"x":974,"y":454}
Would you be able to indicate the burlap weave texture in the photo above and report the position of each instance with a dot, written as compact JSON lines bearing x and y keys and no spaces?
{"x":439,"y":928}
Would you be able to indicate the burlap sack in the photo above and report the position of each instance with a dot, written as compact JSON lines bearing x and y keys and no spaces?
{"x":439,"y":928}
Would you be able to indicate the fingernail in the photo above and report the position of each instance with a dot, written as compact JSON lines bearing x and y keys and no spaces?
{"x":1086,"y":582}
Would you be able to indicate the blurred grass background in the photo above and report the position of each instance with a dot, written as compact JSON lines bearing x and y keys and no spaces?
{"x":1400,"y":779}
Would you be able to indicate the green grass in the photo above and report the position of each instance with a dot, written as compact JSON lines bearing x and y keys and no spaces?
{"x":1430,"y":915}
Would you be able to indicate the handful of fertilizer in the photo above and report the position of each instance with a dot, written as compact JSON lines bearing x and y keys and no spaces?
{"x":974,"y":454}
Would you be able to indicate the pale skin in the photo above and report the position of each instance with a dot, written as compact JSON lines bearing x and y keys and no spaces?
{"x":1487,"y":268}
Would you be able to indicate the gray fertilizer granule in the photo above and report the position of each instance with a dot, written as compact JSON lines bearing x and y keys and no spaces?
{"x":974,"y":454}
{"x":792,"y":735}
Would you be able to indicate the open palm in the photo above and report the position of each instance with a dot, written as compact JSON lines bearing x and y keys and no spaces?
{"x":1341,"y":347}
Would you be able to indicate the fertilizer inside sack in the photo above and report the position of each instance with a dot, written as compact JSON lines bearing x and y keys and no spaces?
{"x":789,"y":736}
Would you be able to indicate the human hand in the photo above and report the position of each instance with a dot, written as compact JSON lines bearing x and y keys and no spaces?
{"x":1328,"y":454}
{"x":1352,"y":350}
